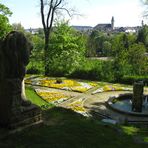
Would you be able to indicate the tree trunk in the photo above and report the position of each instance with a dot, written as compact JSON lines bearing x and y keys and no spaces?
{"x":46,"y":54}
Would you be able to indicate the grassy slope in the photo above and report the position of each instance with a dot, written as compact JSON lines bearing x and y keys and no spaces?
{"x":67,"y":129}
{"x":34,"y":98}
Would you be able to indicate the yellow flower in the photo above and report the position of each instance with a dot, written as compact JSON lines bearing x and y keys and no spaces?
{"x":52,"y":83}
{"x":77,"y":106}
{"x":93,"y":84}
{"x":51,"y":96}
{"x":79,"y":89}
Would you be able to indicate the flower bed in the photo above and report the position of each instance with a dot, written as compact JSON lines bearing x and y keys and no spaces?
{"x":52,"y":96}
{"x":66,"y":84}
{"x":113,"y":87}
{"x":77,"y":106}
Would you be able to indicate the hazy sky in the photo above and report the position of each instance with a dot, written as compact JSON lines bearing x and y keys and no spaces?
{"x":125,"y":12}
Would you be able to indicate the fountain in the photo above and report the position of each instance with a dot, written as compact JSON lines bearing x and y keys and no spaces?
{"x":132,"y":104}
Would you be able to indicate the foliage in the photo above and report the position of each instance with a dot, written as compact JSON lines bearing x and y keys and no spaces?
{"x":143,"y":36}
{"x":36,"y":64}
{"x":129,"y":57}
{"x":95,"y":70}
{"x":4,"y":22}
{"x":49,"y":9}
{"x":98,"y":43}
{"x":138,"y":60}
{"x":66,"y":50}
{"x":106,"y":48}
{"x":128,"y":79}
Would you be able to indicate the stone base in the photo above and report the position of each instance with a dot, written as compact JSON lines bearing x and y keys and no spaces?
{"x":27,"y":117}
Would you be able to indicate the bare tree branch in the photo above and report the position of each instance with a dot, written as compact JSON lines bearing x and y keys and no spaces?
{"x":49,"y":12}
{"x":58,"y":3}
{"x":42,"y":14}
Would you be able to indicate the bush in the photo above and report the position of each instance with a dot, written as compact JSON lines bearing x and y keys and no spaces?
{"x":35,"y":67}
{"x":132,"y":79}
{"x":95,"y":70}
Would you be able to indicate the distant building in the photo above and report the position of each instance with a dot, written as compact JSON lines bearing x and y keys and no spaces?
{"x":112,"y":23}
{"x":111,"y":27}
{"x":32,"y":30}
{"x":142,"y":23}
{"x":83,"y":28}
{"x":105,"y":27}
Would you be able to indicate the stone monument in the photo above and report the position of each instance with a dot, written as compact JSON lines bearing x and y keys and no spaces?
{"x":137,"y":99}
{"x":15,"y":110}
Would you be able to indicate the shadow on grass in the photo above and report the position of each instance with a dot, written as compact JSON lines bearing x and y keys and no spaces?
{"x":64,"y":128}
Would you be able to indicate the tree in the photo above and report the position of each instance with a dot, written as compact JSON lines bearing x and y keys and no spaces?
{"x":143,"y":35}
{"x":4,"y":21}
{"x":67,"y":49}
{"x":37,"y":55}
{"x":51,"y":7}
{"x":137,"y":58}
{"x":18,"y":27}
{"x":106,"y":48}
{"x":95,"y":42}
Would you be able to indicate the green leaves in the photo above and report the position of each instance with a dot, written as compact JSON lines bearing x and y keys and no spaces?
{"x":4,"y":21}
{"x":66,"y":50}
{"x":5,"y":11}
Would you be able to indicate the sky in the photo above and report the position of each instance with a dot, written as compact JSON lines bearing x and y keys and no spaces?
{"x":92,"y":12}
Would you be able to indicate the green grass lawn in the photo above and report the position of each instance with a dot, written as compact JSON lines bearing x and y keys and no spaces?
{"x":35,"y":99}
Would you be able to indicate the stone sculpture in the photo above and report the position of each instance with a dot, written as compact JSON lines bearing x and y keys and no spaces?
{"x":15,"y":110}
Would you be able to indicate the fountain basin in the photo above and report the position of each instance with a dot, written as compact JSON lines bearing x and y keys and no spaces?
{"x":123,"y":104}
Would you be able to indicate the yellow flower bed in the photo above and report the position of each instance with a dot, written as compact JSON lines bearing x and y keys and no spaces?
{"x":79,"y":89}
{"x":51,"y":96}
{"x":113,"y":88}
{"x":77,"y":106}
{"x":66,"y":83}
{"x":92,"y":84}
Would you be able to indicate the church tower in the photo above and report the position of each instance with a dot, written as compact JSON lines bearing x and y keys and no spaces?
{"x":142,"y":23}
{"x":112,"y":23}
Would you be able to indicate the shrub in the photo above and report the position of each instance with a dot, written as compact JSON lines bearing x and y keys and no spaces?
{"x":132,"y":79}
{"x":35,"y":67}
{"x":95,"y":70}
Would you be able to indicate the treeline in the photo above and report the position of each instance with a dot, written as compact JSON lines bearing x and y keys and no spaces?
{"x":69,"y":52}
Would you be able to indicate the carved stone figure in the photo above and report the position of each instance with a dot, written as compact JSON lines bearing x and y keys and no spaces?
{"x":14,"y":56}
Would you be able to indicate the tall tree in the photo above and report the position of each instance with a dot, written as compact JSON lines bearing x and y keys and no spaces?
{"x":67,"y":49}
{"x":4,"y":21}
{"x":48,"y":10}
{"x":143,"y":35}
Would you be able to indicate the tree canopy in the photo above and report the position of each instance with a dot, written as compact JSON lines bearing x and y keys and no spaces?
{"x":4,"y":21}
{"x":67,"y":48}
